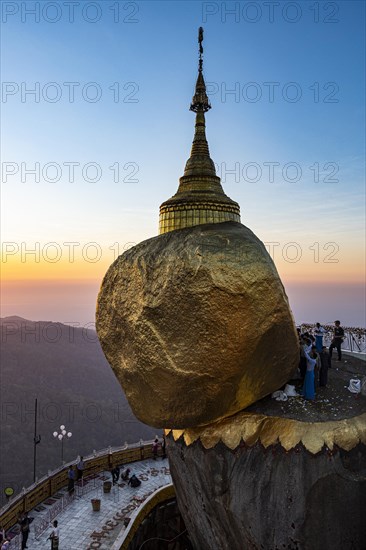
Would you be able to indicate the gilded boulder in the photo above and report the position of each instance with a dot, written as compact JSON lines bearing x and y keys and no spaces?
{"x":196,"y":325}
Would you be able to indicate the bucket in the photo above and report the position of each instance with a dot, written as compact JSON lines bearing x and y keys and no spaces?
{"x":96,"y":504}
{"x":107,"y":486}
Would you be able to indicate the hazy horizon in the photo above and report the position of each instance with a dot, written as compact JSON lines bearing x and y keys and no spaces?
{"x":96,"y":131}
{"x":75,"y":301}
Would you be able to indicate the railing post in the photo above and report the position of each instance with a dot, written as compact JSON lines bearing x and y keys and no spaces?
{"x":141,"y":449}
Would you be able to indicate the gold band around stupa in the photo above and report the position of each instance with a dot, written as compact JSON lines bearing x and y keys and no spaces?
{"x":271,"y":430}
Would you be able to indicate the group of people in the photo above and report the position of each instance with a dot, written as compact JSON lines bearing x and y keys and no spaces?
{"x":132,"y":480}
{"x":125,"y":475}
{"x":75,"y":474}
{"x":315,"y":360}
{"x":24,"y":522}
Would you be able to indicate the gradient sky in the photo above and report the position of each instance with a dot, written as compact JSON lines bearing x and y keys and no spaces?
{"x":292,"y":130}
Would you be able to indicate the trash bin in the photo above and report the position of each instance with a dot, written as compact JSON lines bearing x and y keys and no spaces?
{"x":95,"y":504}
{"x":107,"y":486}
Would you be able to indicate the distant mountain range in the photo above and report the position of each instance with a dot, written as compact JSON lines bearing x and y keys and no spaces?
{"x":65,"y":369}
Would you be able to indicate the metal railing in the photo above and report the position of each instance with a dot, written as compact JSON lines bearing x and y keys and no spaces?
{"x":50,"y":484}
{"x":354,"y":337}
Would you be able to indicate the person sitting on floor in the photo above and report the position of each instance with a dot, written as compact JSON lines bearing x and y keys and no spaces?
{"x":134,"y":481}
{"x":125,"y":475}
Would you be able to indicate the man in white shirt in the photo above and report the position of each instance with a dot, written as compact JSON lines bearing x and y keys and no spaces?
{"x":54,"y":536}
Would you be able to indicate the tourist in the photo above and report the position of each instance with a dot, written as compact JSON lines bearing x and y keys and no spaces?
{"x":125,"y":475}
{"x":54,"y":536}
{"x":305,"y":346}
{"x":163,"y":447}
{"x":24,"y":529}
{"x":337,"y":340}
{"x":155,"y":447}
{"x":308,"y":389}
{"x":319,"y":331}
{"x":80,"y":468}
{"x":71,"y":480}
{"x":115,"y":474}
{"x":325,"y":364}
{"x":134,"y":481}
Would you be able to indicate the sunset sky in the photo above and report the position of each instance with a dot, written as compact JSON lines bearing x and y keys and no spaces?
{"x":107,"y":131}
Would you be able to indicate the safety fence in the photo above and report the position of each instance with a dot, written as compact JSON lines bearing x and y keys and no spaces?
{"x":354,"y":337}
{"x":51,"y":484}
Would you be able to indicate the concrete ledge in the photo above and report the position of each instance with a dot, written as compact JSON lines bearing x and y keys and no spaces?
{"x":160,"y":495}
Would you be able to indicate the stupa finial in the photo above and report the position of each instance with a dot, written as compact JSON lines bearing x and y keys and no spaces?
{"x":200,"y":102}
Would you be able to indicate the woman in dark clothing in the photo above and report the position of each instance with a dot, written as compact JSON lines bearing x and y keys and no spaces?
{"x":325,"y":364}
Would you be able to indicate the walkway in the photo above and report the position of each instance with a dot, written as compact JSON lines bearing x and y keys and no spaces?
{"x":83,"y":529}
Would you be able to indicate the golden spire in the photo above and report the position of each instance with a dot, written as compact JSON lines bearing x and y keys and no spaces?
{"x":200,"y":198}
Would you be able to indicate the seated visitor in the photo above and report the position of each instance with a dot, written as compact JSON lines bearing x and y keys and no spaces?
{"x":134,"y":481}
{"x":125,"y":475}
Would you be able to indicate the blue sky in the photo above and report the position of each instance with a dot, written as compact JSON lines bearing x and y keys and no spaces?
{"x":152,"y":54}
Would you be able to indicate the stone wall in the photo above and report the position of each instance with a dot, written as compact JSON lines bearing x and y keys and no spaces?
{"x":270,"y":499}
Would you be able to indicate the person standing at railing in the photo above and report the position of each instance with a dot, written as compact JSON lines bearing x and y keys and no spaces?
{"x":80,"y":468}
{"x":338,"y":337}
{"x":155,"y":447}
{"x":71,"y":480}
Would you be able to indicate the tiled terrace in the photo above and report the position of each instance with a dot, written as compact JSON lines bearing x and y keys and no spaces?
{"x":83,"y":529}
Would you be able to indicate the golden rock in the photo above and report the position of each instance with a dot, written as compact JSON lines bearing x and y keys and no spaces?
{"x":196,"y":325}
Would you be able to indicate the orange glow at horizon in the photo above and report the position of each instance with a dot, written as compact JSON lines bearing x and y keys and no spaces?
{"x":294,"y":264}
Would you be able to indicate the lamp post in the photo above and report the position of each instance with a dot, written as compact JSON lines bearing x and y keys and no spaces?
{"x":36,"y":441}
{"x":63,"y":434}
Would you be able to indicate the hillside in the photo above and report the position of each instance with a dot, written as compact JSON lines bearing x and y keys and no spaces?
{"x":65,"y":369}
